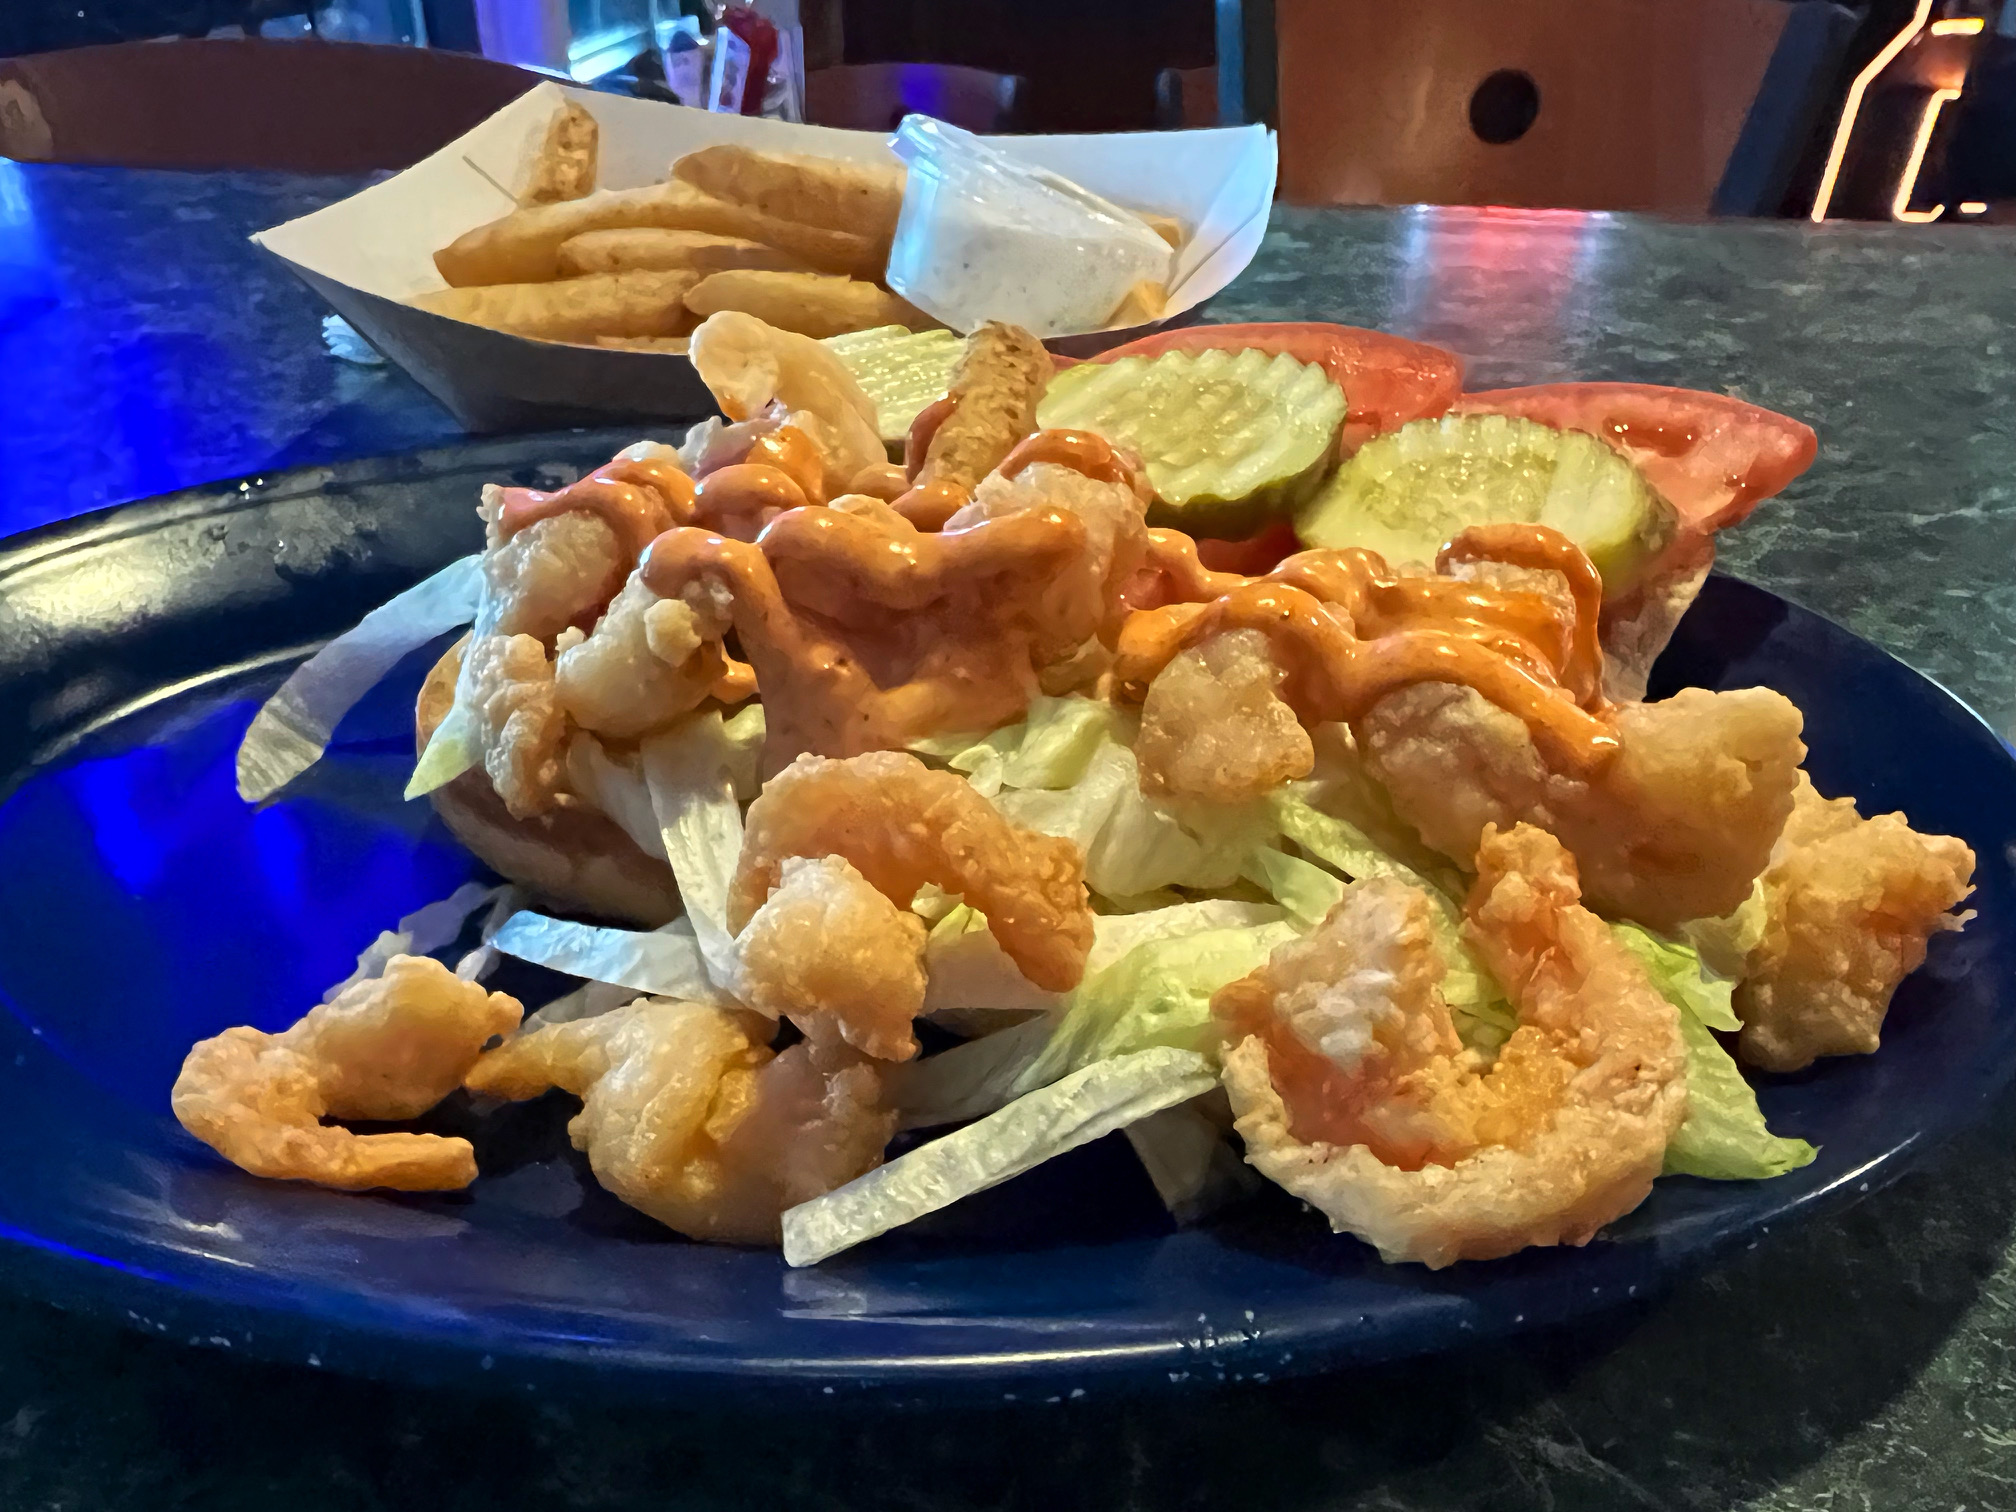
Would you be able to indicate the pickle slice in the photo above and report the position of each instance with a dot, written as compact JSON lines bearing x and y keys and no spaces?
{"x":1405,"y":493}
{"x":901,"y":371}
{"x":1231,"y":439}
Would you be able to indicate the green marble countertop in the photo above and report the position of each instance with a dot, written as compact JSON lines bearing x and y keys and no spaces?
{"x":1862,"y":1361}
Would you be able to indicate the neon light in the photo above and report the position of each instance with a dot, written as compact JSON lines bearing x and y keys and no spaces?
{"x":1961,"y":26}
{"x":1852,"y":106}
{"x":1973,"y":207}
{"x":1900,"y":206}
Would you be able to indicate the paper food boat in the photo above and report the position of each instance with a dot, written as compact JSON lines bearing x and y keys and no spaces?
{"x":367,"y":253}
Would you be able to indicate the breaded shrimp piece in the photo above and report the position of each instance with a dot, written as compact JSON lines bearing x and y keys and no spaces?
{"x":1676,"y":826}
{"x":1087,"y":594}
{"x":506,"y":684}
{"x":750,"y":366}
{"x":836,"y":957}
{"x":552,"y":574}
{"x":1215,"y":727}
{"x":1352,"y":1090}
{"x":901,"y":825}
{"x":688,"y":1117}
{"x":389,"y":1048}
{"x":647,"y":663}
{"x":1850,"y":904}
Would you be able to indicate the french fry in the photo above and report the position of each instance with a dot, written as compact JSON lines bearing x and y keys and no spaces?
{"x":524,"y":246}
{"x":653,"y":249}
{"x":1167,"y":227}
{"x":812,"y":304}
{"x":836,"y":193}
{"x":673,"y":344}
{"x":564,"y":166}
{"x":574,"y":309}
{"x":1144,"y":304}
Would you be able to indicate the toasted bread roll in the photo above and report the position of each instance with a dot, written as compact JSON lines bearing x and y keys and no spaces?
{"x":572,"y":859}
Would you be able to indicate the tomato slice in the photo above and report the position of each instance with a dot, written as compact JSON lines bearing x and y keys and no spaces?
{"x":1716,"y":458}
{"x":1387,"y":380}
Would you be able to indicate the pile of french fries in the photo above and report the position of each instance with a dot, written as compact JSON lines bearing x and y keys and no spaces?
{"x":799,"y":242}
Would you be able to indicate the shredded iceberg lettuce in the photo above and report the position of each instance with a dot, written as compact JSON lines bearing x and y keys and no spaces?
{"x":1724,"y":1136}
{"x":1157,"y":993}
{"x":429,"y":928}
{"x":691,"y":775}
{"x":1084,"y":1106}
{"x":293,"y":728}
{"x":662,"y":963}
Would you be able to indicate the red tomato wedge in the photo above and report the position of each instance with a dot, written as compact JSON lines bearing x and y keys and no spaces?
{"x":1387,"y":380}
{"x":1714,"y":457}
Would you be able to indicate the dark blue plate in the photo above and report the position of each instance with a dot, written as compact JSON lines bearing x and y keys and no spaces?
{"x":145,"y":907}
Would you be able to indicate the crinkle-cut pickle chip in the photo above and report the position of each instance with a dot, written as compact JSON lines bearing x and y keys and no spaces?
{"x":900,"y":371}
{"x":1407,"y":492}
{"x":1231,"y":439}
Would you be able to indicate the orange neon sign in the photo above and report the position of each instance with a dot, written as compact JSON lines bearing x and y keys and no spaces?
{"x":1851,"y":107}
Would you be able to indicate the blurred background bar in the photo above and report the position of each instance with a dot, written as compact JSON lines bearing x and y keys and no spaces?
{"x":1896,"y":110}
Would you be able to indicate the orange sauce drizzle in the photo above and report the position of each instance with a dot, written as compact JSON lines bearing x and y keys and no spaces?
{"x":924,"y":430}
{"x":1541,"y":550}
{"x":797,"y":456}
{"x":637,"y":497}
{"x":880,"y":480}
{"x":929,"y":505}
{"x":1348,"y":632}
{"x":1081,"y":451}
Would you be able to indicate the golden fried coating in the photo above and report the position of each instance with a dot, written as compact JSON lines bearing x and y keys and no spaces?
{"x":1213,"y":726}
{"x":866,"y":633}
{"x":506,"y":684}
{"x":388,"y":1048}
{"x":993,"y":396}
{"x":749,"y":366}
{"x":564,"y":167}
{"x":687,"y":1116}
{"x":647,"y":662}
{"x":1353,"y":1091}
{"x":836,"y":957}
{"x":901,"y":824}
{"x":1850,"y":905}
{"x":1677,"y":826}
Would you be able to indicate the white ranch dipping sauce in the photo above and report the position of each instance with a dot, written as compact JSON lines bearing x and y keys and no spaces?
{"x":984,"y":236}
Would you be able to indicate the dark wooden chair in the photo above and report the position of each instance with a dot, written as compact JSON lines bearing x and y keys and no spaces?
{"x":876,"y":96}
{"x":1186,"y":97}
{"x":302,"y":107}
{"x":1598,"y":105}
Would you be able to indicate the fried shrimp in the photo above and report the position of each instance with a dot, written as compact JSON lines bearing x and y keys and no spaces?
{"x":688,"y":1117}
{"x":1214,"y":727}
{"x":506,"y":683}
{"x":647,"y":662}
{"x":836,"y":957}
{"x":901,"y":824}
{"x":1353,"y":1091}
{"x":389,"y":1048}
{"x":750,"y":367}
{"x":1676,"y":827}
{"x":866,"y":634}
{"x":1850,"y":904}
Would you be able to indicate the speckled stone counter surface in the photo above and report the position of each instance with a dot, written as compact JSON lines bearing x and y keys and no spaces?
{"x":1866,"y":1361}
